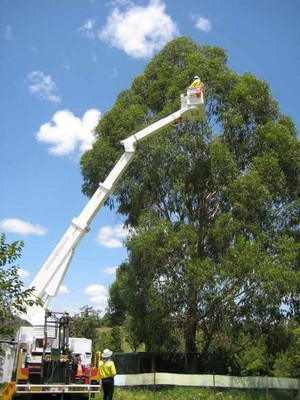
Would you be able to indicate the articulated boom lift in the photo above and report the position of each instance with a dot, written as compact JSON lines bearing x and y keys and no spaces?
{"x":41,"y":352}
{"x":49,"y":279}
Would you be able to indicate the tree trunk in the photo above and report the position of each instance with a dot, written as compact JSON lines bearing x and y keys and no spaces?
{"x":190,"y":334}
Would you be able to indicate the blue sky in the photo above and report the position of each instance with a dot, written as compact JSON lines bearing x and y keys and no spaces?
{"x":62,"y":65}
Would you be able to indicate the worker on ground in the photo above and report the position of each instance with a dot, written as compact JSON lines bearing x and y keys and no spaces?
{"x":108,"y":372}
{"x":196,"y":82}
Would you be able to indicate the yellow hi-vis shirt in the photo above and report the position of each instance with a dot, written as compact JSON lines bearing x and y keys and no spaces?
{"x":107,"y":369}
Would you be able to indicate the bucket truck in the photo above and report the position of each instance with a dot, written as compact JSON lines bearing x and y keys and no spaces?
{"x":39,"y":351}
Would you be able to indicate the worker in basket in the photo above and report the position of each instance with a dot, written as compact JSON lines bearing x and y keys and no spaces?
{"x":196,"y":82}
{"x":107,"y":372}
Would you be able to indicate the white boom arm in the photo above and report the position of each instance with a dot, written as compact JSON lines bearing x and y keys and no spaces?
{"x":50,"y":277}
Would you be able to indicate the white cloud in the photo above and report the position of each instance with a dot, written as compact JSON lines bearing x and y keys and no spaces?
{"x":43,"y":86}
{"x":110,"y":270}
{"x":63,"y":290}
{"x":88,"y":29}
{"x":8,"y":32}
{"x":120,"y":2}
{"x":112,"y":237}
{"x":114,"y":73}
{"x":97,"y":294}
{"x":23,"y":274}
{"x":67,"y":134}
{"x":201,"y":23}
{"x":139,"y":31}
{"x":15,"y":225}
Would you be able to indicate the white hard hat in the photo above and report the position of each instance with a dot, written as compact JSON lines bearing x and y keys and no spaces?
{"x":106,"y":353}
{"x":196,"y":77}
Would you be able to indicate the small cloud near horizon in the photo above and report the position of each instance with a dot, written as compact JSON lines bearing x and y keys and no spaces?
{"x":15,"y":225}
{"x":63,"y":290}
{"x":23,"y":274}
{"x":97,"y":294}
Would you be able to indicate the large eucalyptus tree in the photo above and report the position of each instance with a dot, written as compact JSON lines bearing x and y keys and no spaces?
{"x":214,"y":206}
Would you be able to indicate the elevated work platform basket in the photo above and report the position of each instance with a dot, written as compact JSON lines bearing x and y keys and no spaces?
{"x":195,"y":103}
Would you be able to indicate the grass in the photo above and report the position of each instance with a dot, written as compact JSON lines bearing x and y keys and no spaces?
{"x":182,"y":393}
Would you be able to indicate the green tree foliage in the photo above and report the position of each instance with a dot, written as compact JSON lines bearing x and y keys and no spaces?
{"x":287,"y":363}
{"x":86,"y":323}
{"x":132,"y":336}
{"x":102,"y":340}
{"x":116,"y":340}
{"x":13,"y":297}
{"x":253,"y":356}
{"x":214,"y":206}
{"x":117,"y":294}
